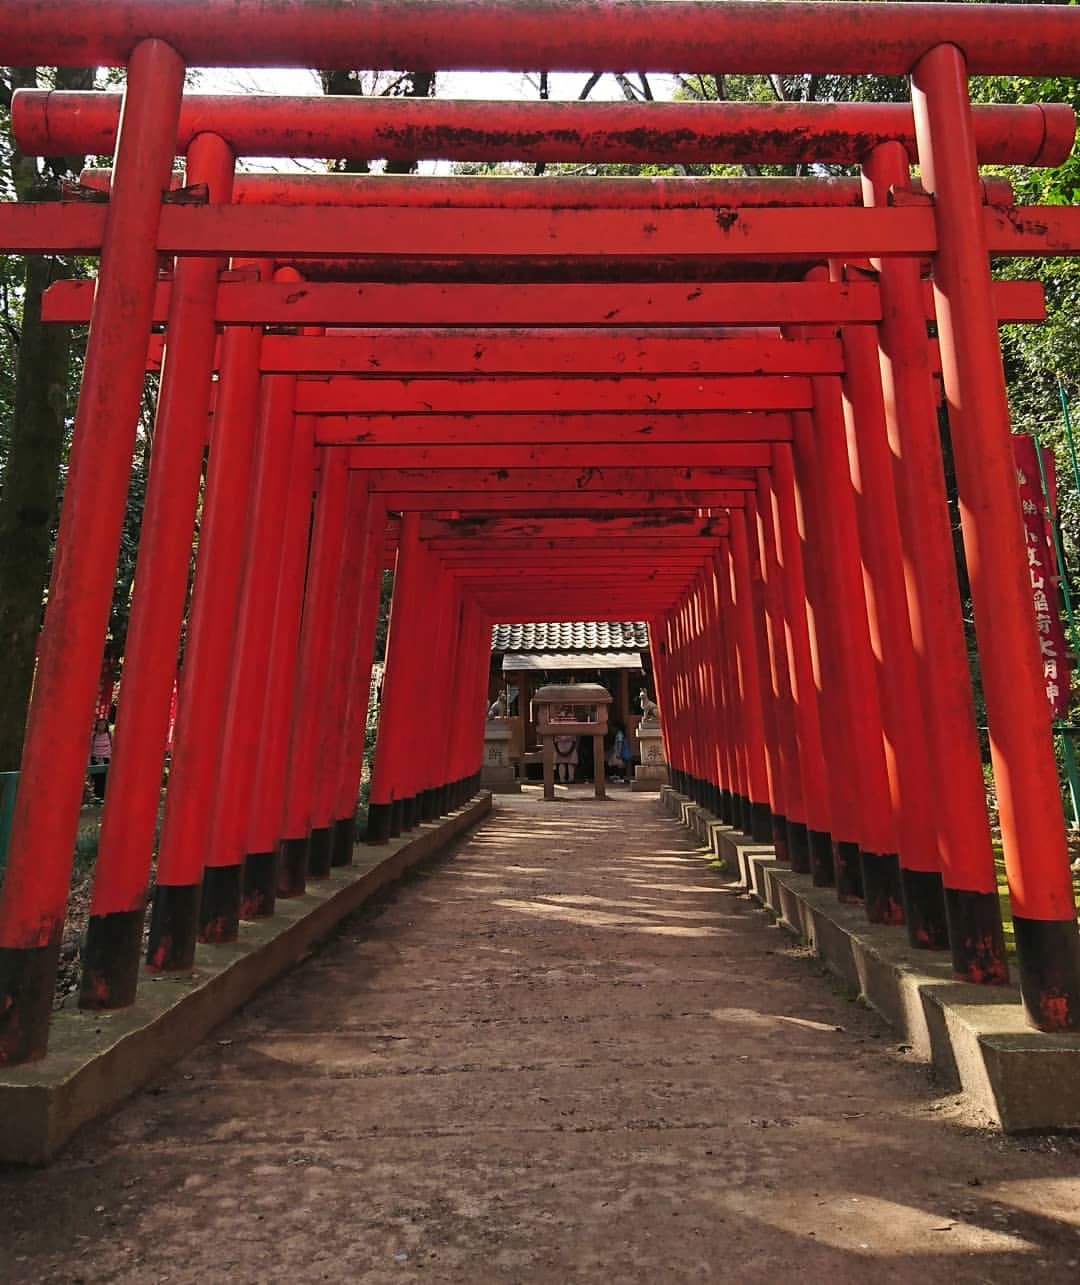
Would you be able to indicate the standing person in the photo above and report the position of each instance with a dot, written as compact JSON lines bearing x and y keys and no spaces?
{"x":566,"y":757}
{"x":100,"y":753}
{"x":618,"y":756}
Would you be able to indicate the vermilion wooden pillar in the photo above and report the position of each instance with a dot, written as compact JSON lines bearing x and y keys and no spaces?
{"x":356,"y":710}
{"x":799,"y":732}
{"x":825,"y":606}
{"x":773,"y":763}
{"x":475,"y":655}
{"x":433,"y":754}
{"x":658,"y":651}
{"x":878,"y":844}
{"x":316,"y":627}
{"x":702,"y":699}
{"x":963,"y":830}
{"x":452,"y":732}
{"x":175,"y":912}
{"x":332,"y":730}
{"x":114,"y":934}
{"x":391,"y":768}
{"x":665,"y":671}
{"x":890,"y":638}
{"x":1025,"y":773}
{"x":733,"y":721}
{"x":818,"y":839}
{"x":749,"y":677}
{"x":46,"y":815}
{"x":686,"y":705}
{"x":223,"y":893}
{"x":263,"y":857}
{"x":778,"y":671}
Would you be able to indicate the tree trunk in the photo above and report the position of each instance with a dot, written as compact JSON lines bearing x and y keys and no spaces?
{"x":31,"y":478}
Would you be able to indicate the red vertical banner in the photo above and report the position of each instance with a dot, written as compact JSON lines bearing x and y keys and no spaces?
{"x":1042,"y":568}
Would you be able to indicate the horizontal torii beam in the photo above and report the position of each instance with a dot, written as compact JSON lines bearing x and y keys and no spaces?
{"x":603,"y":524}
{"x":488,"y":459}
{"x":532,"y":351}
{"x":70,"y":123}
{"x":563,"y":562}
{"x":567,"y":191}
{"x":535,"y":503}
{"x":342,"y":394}
{"x":302,"y":232}
{"x":326,"y":303}
{"x":572,"y":546}
{"x":568,"y":483}
{"x":559,"y":35}
{"x":471,"y":430}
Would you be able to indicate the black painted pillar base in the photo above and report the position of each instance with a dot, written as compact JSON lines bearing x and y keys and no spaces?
{"x":727,"y":810}
{"x":111,"y":954}
{"x":746,"y":815}
{"x":409,"y":813}
{"x":798,"y":846}
{"x":848,"y":870}
{"x":378,"y":823}
{"x":260,"y":885}
{"x":174,"y":926}
{"x":882,"y":893}
{"x":219,"y":905}
{"x":27,"y":983}
{"x":341,"y":842}
{"x":779,"y":836}
{"x":319,"y":853}
{"x":760,"y":823}
{"x":292,"y":867}
{"x":924,"y":909}
{"x":976,"y":938}
{"x":1048,"y":955}
{"x":822,"y":873}
{"x":397,"y":818}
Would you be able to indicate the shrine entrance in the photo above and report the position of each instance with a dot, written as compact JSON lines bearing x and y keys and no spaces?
{"x":707,"y":404}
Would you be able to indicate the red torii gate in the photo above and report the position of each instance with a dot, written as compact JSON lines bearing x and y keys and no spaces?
{"x":765,"y":704}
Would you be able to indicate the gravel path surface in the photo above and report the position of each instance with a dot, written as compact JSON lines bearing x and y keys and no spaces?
{"x":568,"y":1052}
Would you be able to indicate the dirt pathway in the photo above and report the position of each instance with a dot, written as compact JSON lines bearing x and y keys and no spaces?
{"x":567,"y":1053}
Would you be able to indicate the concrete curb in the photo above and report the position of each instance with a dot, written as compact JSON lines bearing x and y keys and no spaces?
{"x":96,"y":1060}
{"x":975,"y":1036}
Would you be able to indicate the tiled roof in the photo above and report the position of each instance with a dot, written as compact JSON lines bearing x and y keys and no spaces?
{"x":578,"y":635}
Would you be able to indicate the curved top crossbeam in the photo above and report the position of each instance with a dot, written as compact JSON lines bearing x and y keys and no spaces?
{"x":559,"y":35}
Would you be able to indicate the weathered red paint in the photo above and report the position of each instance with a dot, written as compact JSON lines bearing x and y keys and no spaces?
{"x":204,"y":678}
{"x":69,"y":657}
{"x":561,"y":35}
{"x":162,"y":569}
{"x":1025,"y":772}
{"x":564,"y":242}
{"x":264,"y":827}
{"x":565,"y":192}
{"x":933,"y":597}
{"x":72,"y":123}
{"x":614,"y":306}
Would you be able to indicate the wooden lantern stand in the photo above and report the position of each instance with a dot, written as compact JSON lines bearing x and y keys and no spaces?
{"x":572,"y":709}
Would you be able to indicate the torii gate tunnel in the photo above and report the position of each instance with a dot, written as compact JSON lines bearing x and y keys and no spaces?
{"x":707,"y":403}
